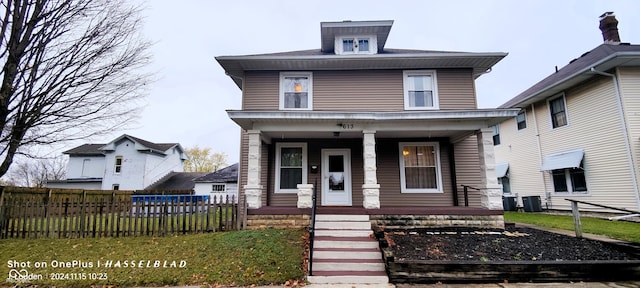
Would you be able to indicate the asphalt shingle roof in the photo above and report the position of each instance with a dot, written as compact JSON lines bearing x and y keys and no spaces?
{"x":94,"y":149}
{"x":585,"y":61}
{"x":224,"y":175}
{"x":176,"y":181}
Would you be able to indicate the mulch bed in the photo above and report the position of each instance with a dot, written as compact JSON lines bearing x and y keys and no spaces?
{"x":516,"y":244}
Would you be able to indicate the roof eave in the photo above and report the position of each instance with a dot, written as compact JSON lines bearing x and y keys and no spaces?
{"x":611,"y":61}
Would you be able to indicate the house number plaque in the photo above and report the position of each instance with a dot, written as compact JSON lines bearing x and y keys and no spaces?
{"x":347,"y":126}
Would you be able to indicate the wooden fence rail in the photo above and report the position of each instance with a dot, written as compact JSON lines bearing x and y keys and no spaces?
{"x":81,"y":215}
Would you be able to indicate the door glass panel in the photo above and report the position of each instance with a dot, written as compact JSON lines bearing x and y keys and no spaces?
{"x":336,"y":172}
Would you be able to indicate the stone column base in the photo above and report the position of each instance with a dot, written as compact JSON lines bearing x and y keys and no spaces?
{"x":491,"y":198}
{"x":371,"y":196}
{"x":254,"y":196}
{"x":305,"y":195}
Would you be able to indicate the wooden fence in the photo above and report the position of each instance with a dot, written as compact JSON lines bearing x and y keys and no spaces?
{"x":42,"y":213}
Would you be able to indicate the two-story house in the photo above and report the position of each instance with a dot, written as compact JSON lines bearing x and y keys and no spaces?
{"x":385,"y":136}
{"x":578,"y":134}
{"x":126,"y":163}
{"x":375,"y":127}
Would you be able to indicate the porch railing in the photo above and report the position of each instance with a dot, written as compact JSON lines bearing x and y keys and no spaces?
{"x":312,"y":228}
{"x":466,"y":193}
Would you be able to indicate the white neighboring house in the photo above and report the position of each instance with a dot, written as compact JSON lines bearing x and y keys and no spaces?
{"x":219,"y":185}
{"x":126,"y":163}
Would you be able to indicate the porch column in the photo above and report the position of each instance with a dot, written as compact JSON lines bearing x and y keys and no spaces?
{"x":253,"y":188}
{"x":491,"y":195}
{"x":370,"y":188}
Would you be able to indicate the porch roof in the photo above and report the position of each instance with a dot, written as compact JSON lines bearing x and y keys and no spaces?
{"x":324,"y":124}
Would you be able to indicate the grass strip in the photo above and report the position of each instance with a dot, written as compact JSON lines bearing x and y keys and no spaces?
{"x":230,"y":258}
{"x":622,"y":230}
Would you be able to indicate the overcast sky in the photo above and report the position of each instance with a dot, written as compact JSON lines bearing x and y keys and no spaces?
{"x":187,"y":104}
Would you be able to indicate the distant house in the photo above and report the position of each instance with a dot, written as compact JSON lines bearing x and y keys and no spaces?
{"x":578,"y":133}
{"x":219,"y":184}
{"x":126,"y":163}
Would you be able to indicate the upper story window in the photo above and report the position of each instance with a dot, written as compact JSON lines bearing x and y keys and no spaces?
{"x":296,"y":92}
{"x":420,"y":90}
{"x":118,"y":166}
{"x":558,"y":110}
{"x":355,"y":45}
{"x":521,"y":120}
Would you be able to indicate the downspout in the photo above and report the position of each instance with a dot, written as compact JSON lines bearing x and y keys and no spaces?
{"x":452,"y":170}
{"x":625,"y":130}
{"x":547,"y":194}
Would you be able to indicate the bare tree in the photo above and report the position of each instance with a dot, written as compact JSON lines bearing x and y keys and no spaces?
{"x":201,"y":160}
{"x":70,"y":70}
{"x":36,"y":173}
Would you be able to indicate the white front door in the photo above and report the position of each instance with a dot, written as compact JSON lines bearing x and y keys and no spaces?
{"x":336,"y":177}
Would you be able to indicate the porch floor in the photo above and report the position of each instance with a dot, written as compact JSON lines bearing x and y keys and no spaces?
{"x":454,"y":210}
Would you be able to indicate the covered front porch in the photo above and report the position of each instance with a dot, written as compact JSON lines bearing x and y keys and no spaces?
{"x":369,"y":160}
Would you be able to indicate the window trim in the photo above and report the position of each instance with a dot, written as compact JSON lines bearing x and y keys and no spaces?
{"x":284,"y":75}
{"x":117,"y":168}
{"x":566,"y":112}
{"x":403,"y":182}
{"x":434,"y":91}
{"x":525,"y":120}
{"x":115,"y":187}
{"x":279,"y":147}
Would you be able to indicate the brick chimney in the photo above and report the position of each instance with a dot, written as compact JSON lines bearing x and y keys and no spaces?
{"x":609,"y":28}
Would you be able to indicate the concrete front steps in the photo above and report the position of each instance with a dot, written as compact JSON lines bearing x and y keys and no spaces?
{"x":345,"y":251}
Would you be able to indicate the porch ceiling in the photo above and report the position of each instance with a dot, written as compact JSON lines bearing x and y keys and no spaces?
{"x":406,"y":124}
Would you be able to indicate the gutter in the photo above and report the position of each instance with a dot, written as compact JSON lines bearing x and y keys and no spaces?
{"x":625,"y":131}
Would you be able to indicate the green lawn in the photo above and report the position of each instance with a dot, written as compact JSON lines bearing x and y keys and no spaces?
{"x":628,"y":231}
{"x":230,"y":258}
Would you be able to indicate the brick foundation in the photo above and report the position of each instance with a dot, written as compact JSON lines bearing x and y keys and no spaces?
{"x":293,"y":221}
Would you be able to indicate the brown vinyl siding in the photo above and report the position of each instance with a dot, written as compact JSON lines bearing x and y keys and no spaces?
{"x":468,"y":169}
{"x":456,"y":89}
{"x":389,"y":177}
{"x":375,"y":90}
{"x":362,"y":90}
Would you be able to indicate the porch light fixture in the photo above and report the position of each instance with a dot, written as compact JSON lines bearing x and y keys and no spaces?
{"x":405,"y":152}
{"x":298,"y":87}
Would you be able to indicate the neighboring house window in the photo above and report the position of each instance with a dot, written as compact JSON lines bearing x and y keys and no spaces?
{"x":558,"y":110}
{"x":496,"y":134}
{"x":296,"y":91}
{"x":506,"y":185}
{"x":115,"y":187}
{"x":218,"y":188}
{"x":118,"y":167}
{"x":291,"y":166}
{"x":420,"y":90}
{"x":85,"y":166}
{"x":521,"y":119}
{"x":420,"y":167}
{"x":569,"y":180}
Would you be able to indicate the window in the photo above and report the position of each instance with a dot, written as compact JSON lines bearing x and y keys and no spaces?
{"x":558,"y":111}
{"x":420,"y":167}
{"x":218,"y":188}
{"x":506,"y":185}
{"x":420,"y":90}
{"x":569,"y":180}
{"x":115,"y":187}
{"x":296,"y":91}
{"x":354,"y":45}
{"x":118,"y":167}
{"x":496,"y":134}
{"x":521,"y":120}
{"x":85,"y":167}
{"x":291,"y":166}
